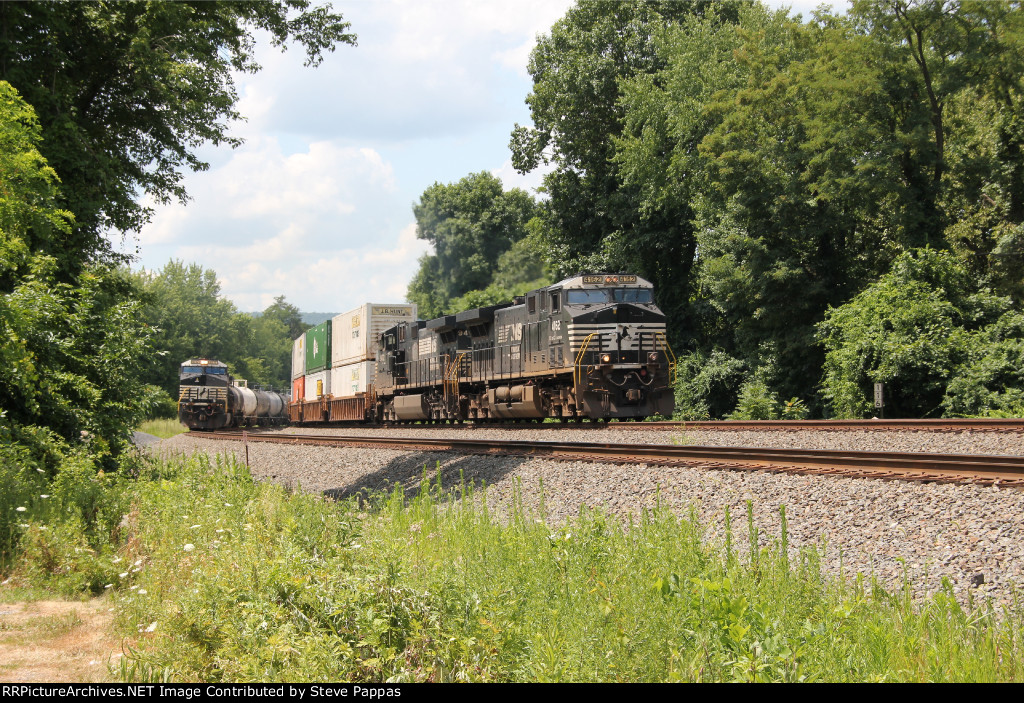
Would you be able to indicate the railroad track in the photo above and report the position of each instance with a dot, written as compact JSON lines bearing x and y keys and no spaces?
{"x":1000,"y":470}
{"x":931,"y":425}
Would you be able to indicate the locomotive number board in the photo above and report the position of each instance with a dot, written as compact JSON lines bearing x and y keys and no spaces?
{"x":609,"y":280}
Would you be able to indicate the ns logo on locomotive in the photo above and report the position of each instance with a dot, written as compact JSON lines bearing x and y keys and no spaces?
{"x":590,"y":346}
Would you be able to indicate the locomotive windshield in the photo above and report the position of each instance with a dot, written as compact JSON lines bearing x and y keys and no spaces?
{"x":204,"y":369}
{"x":605,"y":295}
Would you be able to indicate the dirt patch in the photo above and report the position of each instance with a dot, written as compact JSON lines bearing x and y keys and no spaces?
{"x":57,"y":641}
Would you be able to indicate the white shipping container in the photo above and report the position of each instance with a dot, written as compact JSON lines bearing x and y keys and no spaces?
{"x":299,"y":357}
{"x":355,"y":335}
{"x":350,"y":379}
{"x":321,"y":379}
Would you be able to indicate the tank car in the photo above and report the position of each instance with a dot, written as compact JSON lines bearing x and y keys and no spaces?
{"x":590,"y":346}
{"x":210,"y":399}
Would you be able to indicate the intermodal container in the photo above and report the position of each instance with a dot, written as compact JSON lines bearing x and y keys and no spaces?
{"x":356,"y":334}
{"x":298,"y":389}
{"x":317,"y":385}
{"x":299,"y":358}
{"x":318,"y":348}
{"x":350,"y":379}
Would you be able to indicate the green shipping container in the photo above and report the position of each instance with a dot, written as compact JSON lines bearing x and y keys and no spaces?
{"x":318,"y":347}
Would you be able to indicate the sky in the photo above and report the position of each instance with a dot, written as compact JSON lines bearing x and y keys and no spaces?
{"x":316,"y":205}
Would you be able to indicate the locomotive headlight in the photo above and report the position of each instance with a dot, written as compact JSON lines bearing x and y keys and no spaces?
{"x":653,"y":356}
{"x":606,"y":358}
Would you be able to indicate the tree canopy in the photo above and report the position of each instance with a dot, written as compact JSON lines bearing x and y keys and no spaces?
{"x":762,"y":171}
{"x":471,"y":224}
{"x":126,"y":91}
{"x":70,"y":376}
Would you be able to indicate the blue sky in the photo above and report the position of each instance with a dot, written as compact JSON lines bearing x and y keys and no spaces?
{"x":317,"y":203}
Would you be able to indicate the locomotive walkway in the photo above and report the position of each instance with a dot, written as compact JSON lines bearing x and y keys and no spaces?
{"x":998,"y":470}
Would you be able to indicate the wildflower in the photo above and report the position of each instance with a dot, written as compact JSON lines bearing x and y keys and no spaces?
{"x":115,"y":560}
{"x":133,"y":587}
{"x":21,"y":509}
{"x":142,"y":591}
{"x":194,"y":527}
{"x":152,"y":626}
{"x":189,"y":547}
{"x":228,"y":505}
{"x":108,"y":585}
{"x":44,"y":495}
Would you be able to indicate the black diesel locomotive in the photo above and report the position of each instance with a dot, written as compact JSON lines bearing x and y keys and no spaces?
{"x":591,"y":346}
{"x":210,"y":399}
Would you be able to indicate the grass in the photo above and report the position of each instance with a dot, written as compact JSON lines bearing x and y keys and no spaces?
{"x":163,"y":429}
{"x":215,"y":577}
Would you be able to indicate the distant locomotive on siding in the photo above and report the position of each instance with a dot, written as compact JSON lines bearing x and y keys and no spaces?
{"x":210,"y":399}
{"x":592,"y":346}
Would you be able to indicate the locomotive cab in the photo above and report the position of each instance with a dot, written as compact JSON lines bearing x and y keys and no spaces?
{"x":615,"y":335}
{"x":203,"y":394}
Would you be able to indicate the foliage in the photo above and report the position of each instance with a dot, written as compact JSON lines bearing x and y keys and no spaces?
{"x":191,"y":319}
{"x":126,"y":91}
{"x":938,"y":346}
{"x":471,"y":224}
{"x":216,"y":577}
{"x":69,"y":367}
{"x":592,"y":220}
{"x":797,"y":159}
{"x":706,"y":385}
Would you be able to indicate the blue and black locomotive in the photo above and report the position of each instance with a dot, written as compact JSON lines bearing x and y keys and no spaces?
{"x":210,"y":399}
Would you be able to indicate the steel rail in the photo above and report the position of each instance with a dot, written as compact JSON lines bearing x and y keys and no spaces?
{"x":1003,"y":470}
{"x":929,"y":425}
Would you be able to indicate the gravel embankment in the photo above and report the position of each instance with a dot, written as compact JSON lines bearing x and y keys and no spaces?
{"x":963,"y":533}
{"x":907,"y":441}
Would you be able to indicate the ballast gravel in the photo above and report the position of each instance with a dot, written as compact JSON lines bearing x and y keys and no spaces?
{"x":971,"y":535}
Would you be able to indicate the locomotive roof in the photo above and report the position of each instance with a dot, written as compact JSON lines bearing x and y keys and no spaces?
{"x":204,"y":362}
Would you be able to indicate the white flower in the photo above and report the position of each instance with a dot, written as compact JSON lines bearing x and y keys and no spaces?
{"x":21,"y":509}
{"x":108,"y":585}
{"x":142,"y":591}
{"x":45,"y":495}
{"x":189,"y":547}
{"x":194,"y":527}
{"x":122,"y":575}
{"x":115,"y":560}
{"x":152,"y":626}
{"x":227,"y":505}
{"x":133,"y":587}
{"x":137,"y":563}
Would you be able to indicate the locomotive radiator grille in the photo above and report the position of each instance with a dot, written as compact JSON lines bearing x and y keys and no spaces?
{"x":208,"y":394}
{"x":626,"y":337}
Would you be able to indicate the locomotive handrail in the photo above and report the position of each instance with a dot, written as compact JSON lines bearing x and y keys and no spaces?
{"x":579,"y":357}
{"x":451,"y":379}
{"x":669,"y":355}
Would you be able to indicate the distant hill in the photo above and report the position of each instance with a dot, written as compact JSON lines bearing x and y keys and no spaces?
{"x":315,"y":318}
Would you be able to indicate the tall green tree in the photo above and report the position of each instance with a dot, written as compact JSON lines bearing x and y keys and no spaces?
{"x":126,"y":91}
{"x":470,"y":223}
{"x":591,"y":219}
{"x":70,"y":376}
{"x":183,"y":304}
